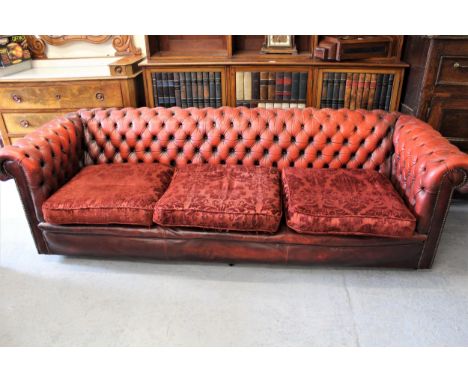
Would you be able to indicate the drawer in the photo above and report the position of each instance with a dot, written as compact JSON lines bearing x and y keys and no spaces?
{"x":24,"y":123}
{"x":64,"y":96}
{"x":453,"y":70}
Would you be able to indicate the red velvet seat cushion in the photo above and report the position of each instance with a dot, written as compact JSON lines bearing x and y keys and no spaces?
{"x":344,"y":201}
{"x":120,"y":193}
{"x":222,"y":197}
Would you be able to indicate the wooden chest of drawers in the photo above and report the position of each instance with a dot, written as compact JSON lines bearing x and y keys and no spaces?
{"x":28,"y":101}
{"x":436,"y":88}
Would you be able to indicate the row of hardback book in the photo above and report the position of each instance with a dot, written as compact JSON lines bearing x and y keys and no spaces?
{"x":271,"y":105}
{"x":187,"y":89}
{"x":263,"y":87}
{"x":356,"y":90}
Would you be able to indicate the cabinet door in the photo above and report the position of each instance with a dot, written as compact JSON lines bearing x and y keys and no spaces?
{"x":450,"y":117}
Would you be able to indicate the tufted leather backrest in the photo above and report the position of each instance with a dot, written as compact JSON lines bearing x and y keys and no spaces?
{"x":278,"y":138}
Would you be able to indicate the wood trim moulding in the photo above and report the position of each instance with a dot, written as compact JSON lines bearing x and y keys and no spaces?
{"x":123,"y":44}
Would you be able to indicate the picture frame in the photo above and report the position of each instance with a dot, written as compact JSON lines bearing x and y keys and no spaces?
{"x":283,"y":44}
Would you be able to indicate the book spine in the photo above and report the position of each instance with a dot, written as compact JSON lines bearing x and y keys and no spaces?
{"x":212,"y":91}
{"x":354,"y":87}
{"x":370,"y":102}
{"x":155,"y":90}
{"x":302,"y":87}
{"x":347,"y":98}
{"x":324,"y":95}
{"x":341,"y":92}
{"x":165,"y":86}
{"x":360,"y":90}
{"x":388,"y":96}
{"x":183,"y":90}
{"x":263,"y":85}
{"x":269,"y":105}
{"x":331,"y":80}
{"x":287,"y":84}
{"x":301,"y":105}
{"x":194,"y":89}
{"x":218,"y":89}
{"x":295,"y":86}
{"x":365,"y":93}
{"x":178,"y":99}
{"x":336,"y":90}
{"x":206,"y":89}
{"x":170,"y":81}
{"x":271,"y":86}
{"x":279,"y":86}
{"x":188,"y":86}
{"x":239,"y":86}
{"x":247,"y":86}
{"x":378,"y":91}
{"x":277,"y":105}
{"x":200,"y":89}
{"x":255,"y":85}
{"x":262,"y":105}
{"x":383,"y":93}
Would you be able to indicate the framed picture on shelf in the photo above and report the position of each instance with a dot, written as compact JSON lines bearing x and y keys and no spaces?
{"x":279,"y":44}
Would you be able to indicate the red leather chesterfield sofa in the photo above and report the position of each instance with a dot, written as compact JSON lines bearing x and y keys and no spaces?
{"x":299,"y":186}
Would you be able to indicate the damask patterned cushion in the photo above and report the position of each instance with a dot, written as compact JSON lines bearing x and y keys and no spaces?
{"x":222,"y":197}
{"x":344,"y":201}
{"x":118,"y":193}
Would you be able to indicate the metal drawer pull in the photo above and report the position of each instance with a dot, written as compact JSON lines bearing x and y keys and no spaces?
{"x":16,"y":98}
{"x":24,"y":123}
{"x":100,"y":96}
{"x":458,"y":66}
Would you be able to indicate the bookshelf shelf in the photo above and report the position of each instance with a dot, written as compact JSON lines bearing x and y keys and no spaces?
{"x":229,"y":55}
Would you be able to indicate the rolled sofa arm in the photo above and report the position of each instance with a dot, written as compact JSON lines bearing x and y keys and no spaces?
{"x":41,"y":162}
{"x":426,"y":168}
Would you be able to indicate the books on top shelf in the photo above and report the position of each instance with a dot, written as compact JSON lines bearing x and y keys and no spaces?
{"x":187,"y":89}
{"x":271,"y":89}
{"x":356,"y":90}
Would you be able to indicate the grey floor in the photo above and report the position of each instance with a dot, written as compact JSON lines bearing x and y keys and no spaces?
{"x":54,"y":300}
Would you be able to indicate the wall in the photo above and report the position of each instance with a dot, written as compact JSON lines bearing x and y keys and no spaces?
{"x":83,"y":49}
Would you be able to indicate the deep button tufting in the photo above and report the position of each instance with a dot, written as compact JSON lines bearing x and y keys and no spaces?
{"x":275,"y":138}
{"x":257,"y":138}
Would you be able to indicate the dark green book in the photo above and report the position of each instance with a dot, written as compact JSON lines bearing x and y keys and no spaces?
{"x":194,"y":89}
{"x":170,"y":82}
{"x":324,"y":97}
{"x":342,"y":89}
{"x":383,"y":93}
{"x":218,"y":89}
{"x":211,"y":80}
{"x":188,"y":85}
{"x":388,"y":96}
{"x":206,"y":90}
{"x":336,"y":90}
{"x":165,"y":86}
{"x":302,"y":87}
{"x":183,"y":90}
{"x":255,"y":85}
{"x":200,"y":89}
{"x":295,"y":87}
{"x":378,"y":91}
{"x":331,"y":80}
{"x":178,"y":100}
{"x":155,"y":90}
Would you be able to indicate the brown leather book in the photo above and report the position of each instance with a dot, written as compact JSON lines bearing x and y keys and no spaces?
{"x":360,"y":89}
{"x":349,"y":81}
{"x":373,"y":82}
{"x":271,"y":86}
{"x":324,"y":95}
{"x":354,"y":86}
{"x":263,"y":85}
{"x":365,"y":93}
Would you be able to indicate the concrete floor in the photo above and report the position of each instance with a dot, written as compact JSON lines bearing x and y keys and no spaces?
{"x":59,"y":301}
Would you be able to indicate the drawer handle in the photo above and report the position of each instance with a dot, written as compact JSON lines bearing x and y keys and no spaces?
{"x":17,"y":98}
{"x":457,"y":65}
{"x":58,"y":97}
{"x":24,"y":123}
{"x":100,"y":96}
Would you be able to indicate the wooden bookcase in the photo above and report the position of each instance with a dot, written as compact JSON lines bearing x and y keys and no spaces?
{"x":230,"y":54}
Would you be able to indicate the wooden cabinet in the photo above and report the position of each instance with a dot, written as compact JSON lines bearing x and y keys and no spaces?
{"x":31,"y":98}
{"x":242,"y":54}
{"x":436,"y":86}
